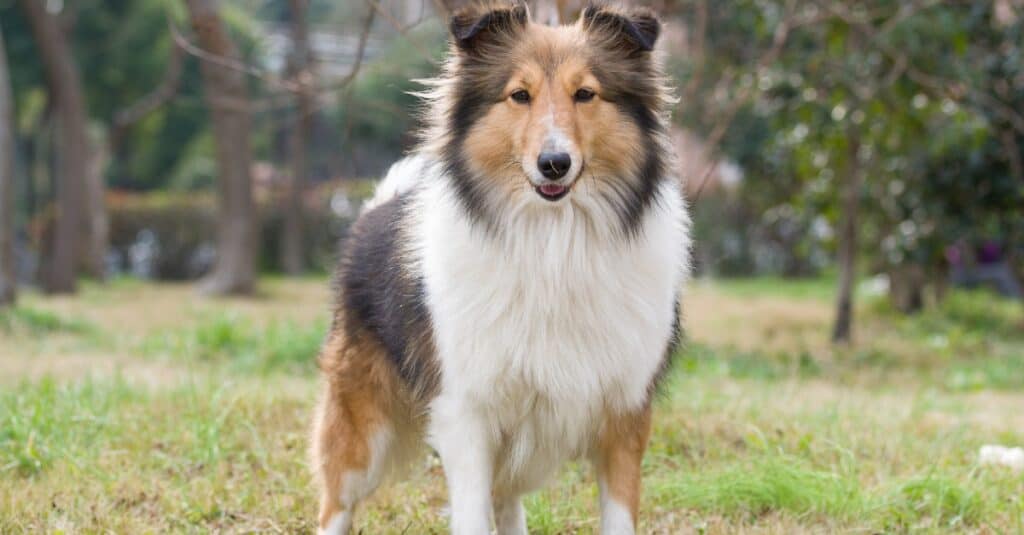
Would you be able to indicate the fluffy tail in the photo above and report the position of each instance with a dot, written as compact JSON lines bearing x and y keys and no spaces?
{"x":402,"y":177}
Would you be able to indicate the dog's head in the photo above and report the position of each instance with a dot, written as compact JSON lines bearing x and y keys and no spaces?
{"x":552,"y":116}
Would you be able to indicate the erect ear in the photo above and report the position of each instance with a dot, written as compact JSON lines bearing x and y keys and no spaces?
{"x":633,"y":31}
{"x":475,"y":27}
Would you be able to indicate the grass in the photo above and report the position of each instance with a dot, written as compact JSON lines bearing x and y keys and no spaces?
{"x":32,"y":321}
{"x":142,"y":409}
{"x":278,"y":345}
{"x":816,"y":288}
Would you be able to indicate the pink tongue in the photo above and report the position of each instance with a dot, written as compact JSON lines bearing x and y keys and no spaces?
{"x":552,"y":189}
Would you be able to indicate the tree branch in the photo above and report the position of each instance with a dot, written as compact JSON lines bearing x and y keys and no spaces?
{"x":226,"y":62}
{"x":402,"y":30}
{"x":149,"y":103}
{"x":779,"y":38}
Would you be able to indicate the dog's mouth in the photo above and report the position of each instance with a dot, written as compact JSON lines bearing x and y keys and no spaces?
{"x":552,"y":192}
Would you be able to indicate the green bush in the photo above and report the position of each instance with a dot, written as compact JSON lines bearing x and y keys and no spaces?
{"x":185,"y":223}
{"x":181,"y":223}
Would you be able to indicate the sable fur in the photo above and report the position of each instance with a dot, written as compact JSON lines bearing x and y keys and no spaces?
{"x":508,"y":331}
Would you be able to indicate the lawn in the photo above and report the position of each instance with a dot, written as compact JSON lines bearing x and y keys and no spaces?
{"x":139,"y":408}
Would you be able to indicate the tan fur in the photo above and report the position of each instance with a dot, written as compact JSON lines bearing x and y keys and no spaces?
{"x":551,"y":66}
{"x":618,"y":453}
{"x":363,"y":392}
{"x":360,"y":395}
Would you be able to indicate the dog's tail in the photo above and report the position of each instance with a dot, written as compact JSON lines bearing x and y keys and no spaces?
{"x":402,"y":177}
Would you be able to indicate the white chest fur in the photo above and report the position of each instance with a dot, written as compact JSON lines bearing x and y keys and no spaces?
{"x":546,"y":327}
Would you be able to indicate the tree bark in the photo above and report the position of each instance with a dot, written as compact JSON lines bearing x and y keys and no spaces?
{"x":8,"y":274}
{"x":291,"y":254}
{"x":849,"y":206}
{"x":226,"y":96}
{"x":78,"y":234}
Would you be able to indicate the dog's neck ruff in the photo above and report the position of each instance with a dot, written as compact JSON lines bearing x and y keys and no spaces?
{"x":553,"y":321}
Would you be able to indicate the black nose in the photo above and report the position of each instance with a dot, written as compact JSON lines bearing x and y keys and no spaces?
{"x":554,"y":165}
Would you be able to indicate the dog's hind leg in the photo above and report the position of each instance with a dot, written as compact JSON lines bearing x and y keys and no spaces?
{"x":354,"y":434}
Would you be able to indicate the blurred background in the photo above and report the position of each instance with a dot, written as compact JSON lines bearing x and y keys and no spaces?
{"x":175,"y":177}
{"x":874,"y":141}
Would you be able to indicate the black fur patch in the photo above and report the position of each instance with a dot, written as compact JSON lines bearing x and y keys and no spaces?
{"x":621,"y":42}
{"x":470,"y":103}
{"x":637,"y":99}
{"x":380,"y":296}
{"x":636,"y":31}
{"x":483,"y":41}
{"x":470,"y":28}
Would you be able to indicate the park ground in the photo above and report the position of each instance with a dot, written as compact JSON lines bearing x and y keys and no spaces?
{"x":141,"y":408}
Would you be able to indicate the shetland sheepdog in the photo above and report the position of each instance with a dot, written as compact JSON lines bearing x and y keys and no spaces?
{"x":510,"y":296}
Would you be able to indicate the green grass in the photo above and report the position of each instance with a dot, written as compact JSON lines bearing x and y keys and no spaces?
{"x":202,"y":425}
{"x":823,"y":288}
{"x":280,"y":345}
{"x":758,"y":486}
{"x":43,"y":422}
{"x":22,"y":320}
{"x":698,"y":359}
{"x":111,"y":456}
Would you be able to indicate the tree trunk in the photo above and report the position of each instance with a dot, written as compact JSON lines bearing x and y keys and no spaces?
{"x":226,"y":95}
{"x":906,"y":287}
{"x":8,"y":274}
{"x":847,"y":245}
{"x":97,"y":227}
{"x":292,"y":259}
{"x":75,"y":237}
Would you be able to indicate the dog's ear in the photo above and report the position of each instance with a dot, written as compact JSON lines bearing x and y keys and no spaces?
{"x":634,"y":31}
{"x":475,"y":28}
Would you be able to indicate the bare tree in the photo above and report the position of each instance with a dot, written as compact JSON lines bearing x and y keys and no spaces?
{"x":301,"y":66}
{"x":8,"y":276}
{"x":73,"y":155}
{"x":226,"y":96}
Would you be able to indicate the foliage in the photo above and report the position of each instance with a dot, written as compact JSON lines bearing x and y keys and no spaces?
{"x":120,"y":63}
{"x":184,"y":226}
{"x":912,"y":84}
{"x":377,"y":114}
{"x":180,"y":224}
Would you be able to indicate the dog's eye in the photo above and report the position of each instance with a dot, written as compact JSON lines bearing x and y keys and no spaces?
{"x":583,"y":95}
{"x":521,"y":96}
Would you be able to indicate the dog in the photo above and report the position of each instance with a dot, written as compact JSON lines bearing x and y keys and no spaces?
{"x":510,"y":296}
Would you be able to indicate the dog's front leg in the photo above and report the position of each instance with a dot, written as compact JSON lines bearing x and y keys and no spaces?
{"x":618,"y":455}
{"x":460,"y":436}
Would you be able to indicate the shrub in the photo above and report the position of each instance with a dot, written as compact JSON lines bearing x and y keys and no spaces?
{"x":181,"y":224}
{"x":184,"y":227}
